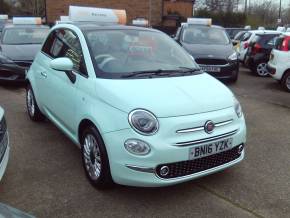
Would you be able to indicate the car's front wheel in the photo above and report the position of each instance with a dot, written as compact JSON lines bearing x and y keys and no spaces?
{"x":286,"y":81}
{"x":261,"y":69}
{"x":95,"y":159}
{"x":32,"y":108}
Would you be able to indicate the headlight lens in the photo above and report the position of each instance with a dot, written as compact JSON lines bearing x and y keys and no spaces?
{"x":137,"y":147}
{"x":238,"y":108}
{"x":143,"y":122}
{"x":233,"y":56}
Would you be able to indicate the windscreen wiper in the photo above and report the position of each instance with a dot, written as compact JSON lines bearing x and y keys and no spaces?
{"x":148,"y":73}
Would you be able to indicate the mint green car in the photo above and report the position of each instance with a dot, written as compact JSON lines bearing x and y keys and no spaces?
{"x":137,"y":105}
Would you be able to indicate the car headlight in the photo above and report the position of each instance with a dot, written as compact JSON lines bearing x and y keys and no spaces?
{"x":238,"y":108}
{"x":143,"y":122}
{"x":233,"y":56}
{"x":137,"y":147}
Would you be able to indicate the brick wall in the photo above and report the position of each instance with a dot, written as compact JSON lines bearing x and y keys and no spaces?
{"x":134,"y":8}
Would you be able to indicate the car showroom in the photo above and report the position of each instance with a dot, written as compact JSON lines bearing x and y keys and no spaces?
{"x":144,"y":109}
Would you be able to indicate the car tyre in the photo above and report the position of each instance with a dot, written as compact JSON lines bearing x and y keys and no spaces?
{"x":234,"y":78}
{"x":95,"y":159}
{"x":286,"y":81}
{"x":32,"y":108}
{"x":261,"y":69}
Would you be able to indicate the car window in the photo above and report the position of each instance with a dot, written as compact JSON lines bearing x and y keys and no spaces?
{"x":205,"y":35}
{"x":64,"y":43}
{"x":21,"y":36}
{"x":246,"y":36}
{"x":271,"y":42}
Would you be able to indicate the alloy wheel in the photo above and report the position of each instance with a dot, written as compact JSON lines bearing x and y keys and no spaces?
{"x":30,"y":102}
{"x":92,"y":157}
{"x":288,"y":82}
{"x":262,"y":69}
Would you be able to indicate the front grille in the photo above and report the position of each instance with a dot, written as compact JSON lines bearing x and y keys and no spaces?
{"x":209,"y":61}
{"x":189,"y":167}
{"x":3,"y":128}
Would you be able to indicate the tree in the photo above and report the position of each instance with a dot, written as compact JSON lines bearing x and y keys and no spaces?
{"x":4,"y":7}
{"x":32,"y":7}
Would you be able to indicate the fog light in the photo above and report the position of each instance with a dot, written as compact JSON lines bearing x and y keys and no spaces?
{"x":240,"y":149}
{"x":137,"y":147}
{"x":164,"y":171}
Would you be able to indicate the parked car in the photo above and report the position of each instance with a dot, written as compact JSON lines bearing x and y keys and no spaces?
{"x":245,"y":40}
{"x":107,"y":87}
{"x":4,"y":144}
{"x":279,"y":63}
{"x":19,"y":43}
{"x":234,"y":31}
{"x":237,"y":40}
{"x":259,"y":52}
{"x":211,"y":48}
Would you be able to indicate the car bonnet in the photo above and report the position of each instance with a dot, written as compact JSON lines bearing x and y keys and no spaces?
{"x":166,"y":97}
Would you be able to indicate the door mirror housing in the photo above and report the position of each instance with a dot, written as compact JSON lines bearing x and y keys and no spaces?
{"x":62,"y":64}
{"x":66,"y":65}
{"x":234,"y":43}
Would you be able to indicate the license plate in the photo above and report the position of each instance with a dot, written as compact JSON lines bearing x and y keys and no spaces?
{"x":210,"y":149}
{"x":210,"y":68}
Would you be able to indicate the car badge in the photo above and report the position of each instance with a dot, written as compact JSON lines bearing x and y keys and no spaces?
{"x":210,"y":56}
{"x":209,"y":127}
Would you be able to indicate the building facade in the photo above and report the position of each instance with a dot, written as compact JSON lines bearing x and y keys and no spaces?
{"x":153,"y":10}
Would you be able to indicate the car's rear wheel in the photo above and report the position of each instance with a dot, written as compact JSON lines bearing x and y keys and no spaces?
{"x":286,"y":81}
{"x":261,"y":69}
{"x":95,"y":159}
{"x":32,"y":108}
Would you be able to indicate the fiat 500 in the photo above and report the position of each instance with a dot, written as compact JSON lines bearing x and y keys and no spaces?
{"x":138,"y":106}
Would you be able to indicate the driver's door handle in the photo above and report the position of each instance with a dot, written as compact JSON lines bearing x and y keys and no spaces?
{"x":43,"y":74}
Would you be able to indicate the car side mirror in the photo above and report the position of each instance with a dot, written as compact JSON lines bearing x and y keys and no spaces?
{"x":66,"y":65}
{"x":235,"y":43}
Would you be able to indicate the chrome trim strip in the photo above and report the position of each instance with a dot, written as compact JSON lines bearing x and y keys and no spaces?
{"x":212,"y":65}
{"x":199,"y":128}
{"x":141,"y":169}
{"x":182,"y":144}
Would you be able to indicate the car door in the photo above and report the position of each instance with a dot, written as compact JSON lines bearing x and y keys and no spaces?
{"x":59,"y":93}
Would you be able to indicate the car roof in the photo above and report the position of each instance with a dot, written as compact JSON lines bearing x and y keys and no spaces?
{"x":212,"y":26}
{"x":12,"y":26}
{"x":86,"y":26}
{"x":264,"y":31}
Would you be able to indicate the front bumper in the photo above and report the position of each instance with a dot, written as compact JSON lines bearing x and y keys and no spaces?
{"x":5,"y":157}
{"x":13,"y":72}
{"x":227,"y":71}
{"x":132,"y":170}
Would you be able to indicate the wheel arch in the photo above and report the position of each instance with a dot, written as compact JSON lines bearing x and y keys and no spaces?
{"x":83,"y":125}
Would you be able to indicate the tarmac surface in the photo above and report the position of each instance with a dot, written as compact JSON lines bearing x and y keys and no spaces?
{"x":45,"y":176}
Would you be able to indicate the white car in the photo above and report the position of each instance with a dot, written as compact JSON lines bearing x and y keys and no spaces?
{"x":4,"y":144}
{"x":279,"y":63}
{"x":246,"y":40}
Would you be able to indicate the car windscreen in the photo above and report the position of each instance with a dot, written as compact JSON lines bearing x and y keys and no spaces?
{"x":205,"y":35}
{"x":239,"y":35}
{"x":21,"y":36}
{"x":119,"y":52}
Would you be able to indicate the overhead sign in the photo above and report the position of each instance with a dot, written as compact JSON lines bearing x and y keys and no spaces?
{"x":3,"y":17}
{"x":27,"y":20}
{"x":200,"y":21}
{"x":64,"y":18}
{"x":101,"y":15}
{"x":140,"y":22}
